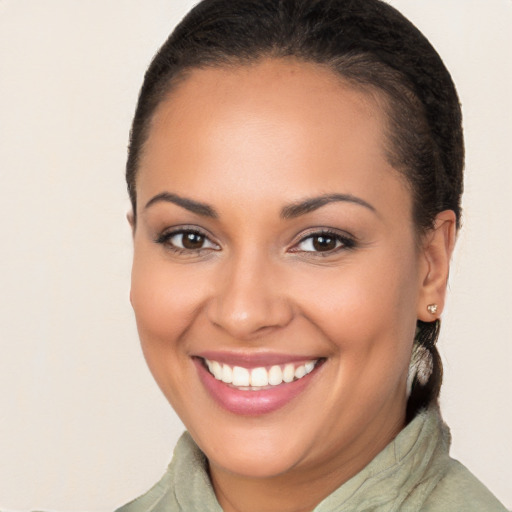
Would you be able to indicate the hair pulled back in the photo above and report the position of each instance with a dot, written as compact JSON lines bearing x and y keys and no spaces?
{"x":367,"y":43}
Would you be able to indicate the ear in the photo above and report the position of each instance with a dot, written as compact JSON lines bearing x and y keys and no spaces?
{"x":436,"y":252}
{"x":130,"y":217}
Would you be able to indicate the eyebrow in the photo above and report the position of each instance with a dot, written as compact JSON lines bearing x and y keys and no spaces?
{"x":308,"y":205}
{"x":197,"y":207}
{"x":290,"y":211}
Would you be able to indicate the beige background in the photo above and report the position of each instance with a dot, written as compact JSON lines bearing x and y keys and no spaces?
{"x":82,"y":426}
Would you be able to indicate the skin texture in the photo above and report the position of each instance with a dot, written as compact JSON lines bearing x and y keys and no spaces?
{"x":248,"y":142}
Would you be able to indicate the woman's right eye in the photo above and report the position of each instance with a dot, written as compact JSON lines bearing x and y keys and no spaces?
{"x":187,"y":240}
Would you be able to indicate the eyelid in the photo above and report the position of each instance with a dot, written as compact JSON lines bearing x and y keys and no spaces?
{"x":348,"y":241}
{"x":165,"y":235}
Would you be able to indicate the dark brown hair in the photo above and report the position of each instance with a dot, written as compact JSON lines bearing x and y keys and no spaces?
{"x":367,"y":43}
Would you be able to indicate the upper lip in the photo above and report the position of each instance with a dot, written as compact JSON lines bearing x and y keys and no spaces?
{"x":253,"y":360}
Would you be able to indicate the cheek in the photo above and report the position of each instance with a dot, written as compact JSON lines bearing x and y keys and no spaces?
{"x":166,"y":302}
{"x":368,"y":314}
{"x":367,"y":307}
{"x":164,"y":298}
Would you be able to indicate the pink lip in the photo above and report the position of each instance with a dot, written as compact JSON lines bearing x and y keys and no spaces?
{"x":251,"y":403}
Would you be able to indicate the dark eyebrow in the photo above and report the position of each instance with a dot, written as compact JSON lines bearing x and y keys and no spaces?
{"x":189,"y":204}
{"x":308,"y":205}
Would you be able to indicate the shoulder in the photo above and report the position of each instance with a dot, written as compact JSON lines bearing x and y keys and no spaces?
{"x":152,"y":500}
{"x":184,"y":487}
{"x":459,"y":490}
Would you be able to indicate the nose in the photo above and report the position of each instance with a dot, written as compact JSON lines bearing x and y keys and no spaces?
{"x":249,"y":299}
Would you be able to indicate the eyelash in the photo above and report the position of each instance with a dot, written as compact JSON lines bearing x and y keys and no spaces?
{"x":342,"y":242}
{"x":166,"y":237}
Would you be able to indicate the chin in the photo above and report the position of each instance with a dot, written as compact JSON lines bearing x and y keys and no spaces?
{"x":265,"y":460}
{"x":262,"y":447}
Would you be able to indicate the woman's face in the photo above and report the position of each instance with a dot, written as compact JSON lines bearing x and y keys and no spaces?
{"x":275,"y":241}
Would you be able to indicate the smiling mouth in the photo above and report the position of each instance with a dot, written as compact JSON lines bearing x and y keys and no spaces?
{"x":260,"y":378}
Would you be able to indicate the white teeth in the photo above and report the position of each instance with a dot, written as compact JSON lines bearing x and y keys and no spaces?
{"x":300,"y":371}
{"x":309,"y":366}
{"x":275,"y":376}
{"x":227,"y":374}
{"x":260,"y":377}
{"x":241,"y":376}
{"x":289,"y":373}
{"x":216,"y":369}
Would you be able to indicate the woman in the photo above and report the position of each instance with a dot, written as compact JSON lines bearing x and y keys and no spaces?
{"x":295,"y":172}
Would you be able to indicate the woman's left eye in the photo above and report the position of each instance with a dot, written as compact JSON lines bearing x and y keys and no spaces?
{"x":323,"y":243}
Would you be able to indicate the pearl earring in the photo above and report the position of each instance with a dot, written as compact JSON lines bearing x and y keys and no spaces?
{"x":432,"y":309}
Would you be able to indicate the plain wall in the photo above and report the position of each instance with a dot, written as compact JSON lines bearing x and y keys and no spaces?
{"x":82,"y":425}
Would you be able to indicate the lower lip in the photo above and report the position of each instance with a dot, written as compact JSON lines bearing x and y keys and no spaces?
{"x":251,"y":403}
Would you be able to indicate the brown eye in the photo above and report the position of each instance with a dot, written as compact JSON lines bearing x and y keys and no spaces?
{"x":192,"y":240}
{"x":187,"y":240}
{"x":324,"y":243}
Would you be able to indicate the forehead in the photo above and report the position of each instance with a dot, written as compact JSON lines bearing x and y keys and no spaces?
{"x":295,"y":126}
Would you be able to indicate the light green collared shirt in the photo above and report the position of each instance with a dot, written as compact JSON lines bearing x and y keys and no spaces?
{"x":413,"y":473}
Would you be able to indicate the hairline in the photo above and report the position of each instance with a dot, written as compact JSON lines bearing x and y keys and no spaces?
{"x":378,"y":95}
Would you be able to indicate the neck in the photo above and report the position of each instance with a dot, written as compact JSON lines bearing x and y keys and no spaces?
{"x":277,"y":494}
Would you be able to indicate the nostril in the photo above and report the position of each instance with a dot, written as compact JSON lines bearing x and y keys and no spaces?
{"x":249,"y":299}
